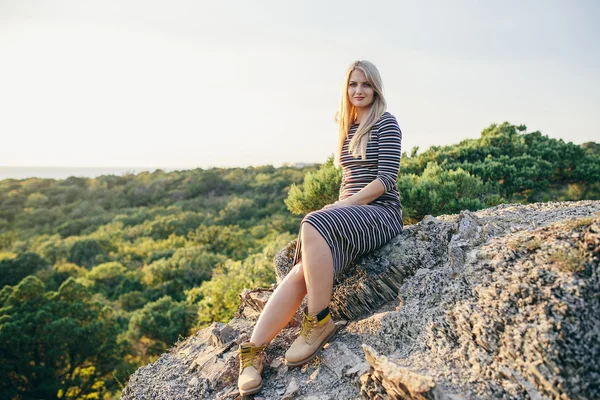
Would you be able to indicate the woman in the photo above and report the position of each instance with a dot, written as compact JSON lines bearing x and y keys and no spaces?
{"x":366,"y":216}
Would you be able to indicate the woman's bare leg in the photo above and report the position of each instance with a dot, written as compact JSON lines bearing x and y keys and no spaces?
{"x":318,"y":268}
{"x":312,"y":276}
{"x":280,"y":307}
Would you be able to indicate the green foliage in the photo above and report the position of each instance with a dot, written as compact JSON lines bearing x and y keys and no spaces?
{"x":53,"y":248}
{"x":218,"y":299}
{"x":53,"y":342}
{"x":239,"y":211}
{"x":187,"y":268}
{"x":107,"y":273}
{"x":230,"y":240}
{"x":178,"y":224}
{"x":163,"y":320}
{"x":87,"y":253}
{"x":438,"y":191}
{"x":108,"y":279}
{"x":13,"y":270}
{"x":132,"y":300}
{"x":319,"y":189}
{"x":55,"y":276}
{"x":159,"y":255}
{"x":526,"y":166}
{"x":145,"y":250}
{"x":7,"y":238}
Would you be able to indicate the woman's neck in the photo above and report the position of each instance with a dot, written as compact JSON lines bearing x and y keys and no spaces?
{"x":361,"y":114}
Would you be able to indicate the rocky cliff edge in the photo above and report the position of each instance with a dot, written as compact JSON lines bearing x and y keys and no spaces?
{"x":501,"y":303}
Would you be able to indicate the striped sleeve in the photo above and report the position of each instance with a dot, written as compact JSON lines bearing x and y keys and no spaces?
{"x":390,"y":150}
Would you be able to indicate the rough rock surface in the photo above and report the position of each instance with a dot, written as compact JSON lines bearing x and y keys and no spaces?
{"x":501,"y":303}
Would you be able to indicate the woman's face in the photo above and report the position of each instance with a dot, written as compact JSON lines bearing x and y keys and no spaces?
{"x":360,"y":91}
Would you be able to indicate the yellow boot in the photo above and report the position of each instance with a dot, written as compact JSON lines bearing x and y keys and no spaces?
{"x":251,"y":366}
{"x":316,"y":331}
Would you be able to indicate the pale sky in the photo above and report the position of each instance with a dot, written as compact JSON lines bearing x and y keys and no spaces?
{"x":235,"y":83}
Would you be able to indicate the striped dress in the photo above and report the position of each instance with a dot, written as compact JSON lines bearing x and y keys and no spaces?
{"x":352,"y":231}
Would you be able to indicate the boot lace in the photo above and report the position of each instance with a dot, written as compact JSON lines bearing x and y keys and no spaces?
{"x":248,"y":355}
{"x":309,"y":323}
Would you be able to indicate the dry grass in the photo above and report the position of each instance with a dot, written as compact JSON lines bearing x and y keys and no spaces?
{"x":530,"y":244}
{"x":577,"y":223}
{"x":569,"y":259}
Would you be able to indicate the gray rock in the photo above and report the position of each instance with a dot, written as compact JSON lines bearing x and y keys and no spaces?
{"x":358,"y":369}
{"x":338,"y":357}
{"x":397,"y":382}
{"x":498,"y":303}
{"x":291,"y":390}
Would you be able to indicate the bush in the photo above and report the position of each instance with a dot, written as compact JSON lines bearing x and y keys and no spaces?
{"x":319,"y":189}
{"x":443,"y":192}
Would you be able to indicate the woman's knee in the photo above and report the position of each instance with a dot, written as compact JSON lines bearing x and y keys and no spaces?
{"x":312,"y":239}
{"x":296,"y":274}
{"x":298,"y":271}
{"x":309,"y":233}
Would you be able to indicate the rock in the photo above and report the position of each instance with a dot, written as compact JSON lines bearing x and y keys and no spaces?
{"x":358,"y":369}
{"x":498,"y":303}
{"x":252,"y":302}
{"x":397,"y":382}
{"x":451,"y":396}
{"x":221,"y":334}
{"x":338,"y":357}
{"x":276,"y":363}
{"x":291,"y":390}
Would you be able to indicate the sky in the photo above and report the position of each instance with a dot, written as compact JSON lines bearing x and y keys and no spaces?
{"x":190,"y":83}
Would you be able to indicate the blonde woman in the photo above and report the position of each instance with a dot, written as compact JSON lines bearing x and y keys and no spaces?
{"x":366,"y":216}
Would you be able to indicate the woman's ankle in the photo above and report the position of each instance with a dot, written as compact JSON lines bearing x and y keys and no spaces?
{"x":257,"y":342}
{"x":321,"y":314}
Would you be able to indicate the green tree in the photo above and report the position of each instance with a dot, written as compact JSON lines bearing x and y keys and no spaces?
{"x":87,"y":253}
{"x":55,"y":344}
{"x":163,"y":321}
{"x":237,"y":211}
{"x":13,"y":270}
{"x":132,"y":300}
{"x":218,"y":299}
{"x":438,"y":191}
{"x":107,"y":277}
{"x":187,"y":268}
{"x":230,"y":240}
{"x":320,"y":188}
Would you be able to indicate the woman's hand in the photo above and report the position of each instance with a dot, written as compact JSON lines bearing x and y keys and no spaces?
{"x":337,"y":204}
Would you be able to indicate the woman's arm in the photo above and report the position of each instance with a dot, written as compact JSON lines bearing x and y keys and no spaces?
{"x":390,"y":151}
{"x":364,"y":196}
{"x":388,"y":164}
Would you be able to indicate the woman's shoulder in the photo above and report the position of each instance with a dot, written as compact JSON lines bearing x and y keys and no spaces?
{"x":387,"y":119}
{"x":386,"y":116}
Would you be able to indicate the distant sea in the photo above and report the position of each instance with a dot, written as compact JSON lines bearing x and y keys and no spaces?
{"x":65,"y":172}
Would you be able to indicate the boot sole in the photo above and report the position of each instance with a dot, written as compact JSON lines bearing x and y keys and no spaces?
{"x":307,"y":359}
{"x":251,"y":391}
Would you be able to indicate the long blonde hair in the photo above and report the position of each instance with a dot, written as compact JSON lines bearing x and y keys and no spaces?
{"x":348,"y":113}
